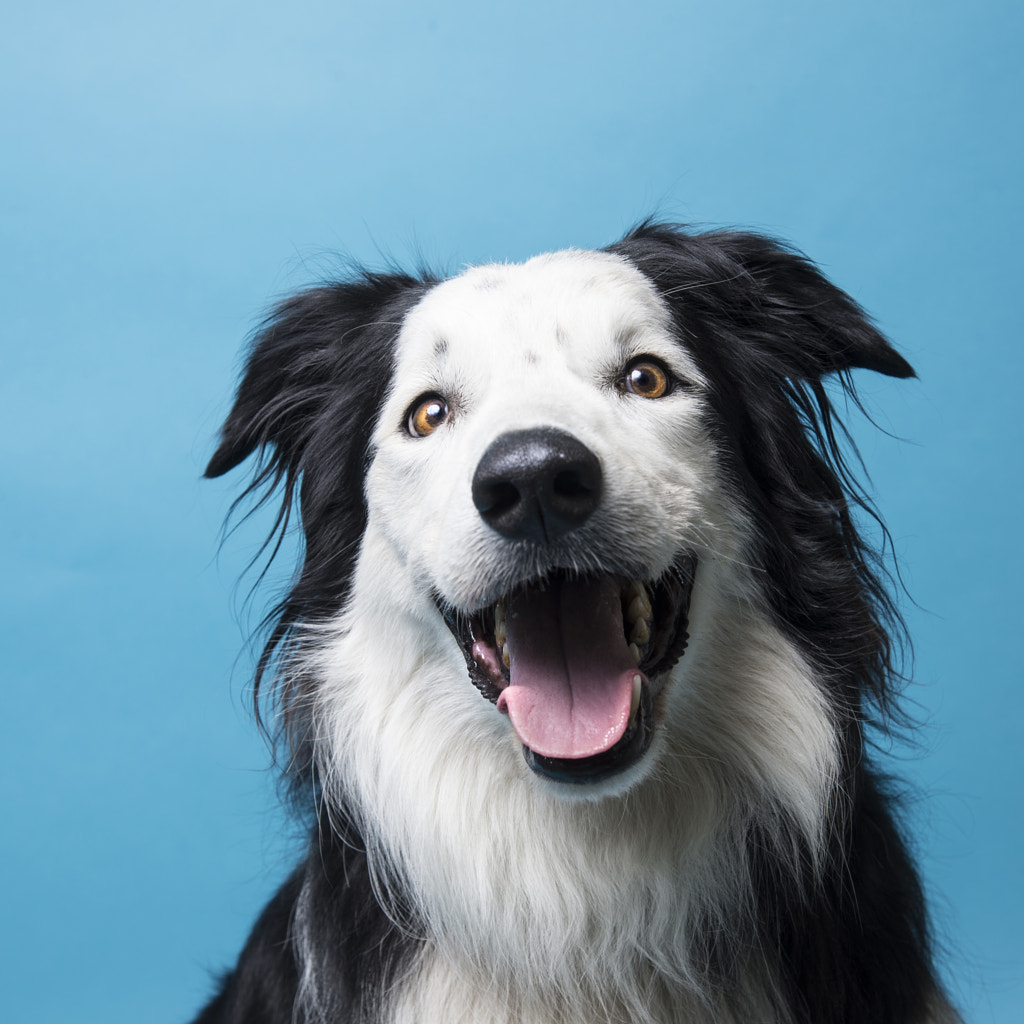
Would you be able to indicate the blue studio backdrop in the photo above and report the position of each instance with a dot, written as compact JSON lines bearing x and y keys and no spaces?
{"x":169,"y":170}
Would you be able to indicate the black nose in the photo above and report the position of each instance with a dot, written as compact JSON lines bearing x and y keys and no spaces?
{"x":537,"y":484}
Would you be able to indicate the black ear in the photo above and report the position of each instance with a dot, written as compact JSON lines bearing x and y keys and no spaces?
{"x":315,"y":378}
{"x":833,"y":332}
{"x":756,"y":290}
{"x":325,"y":352}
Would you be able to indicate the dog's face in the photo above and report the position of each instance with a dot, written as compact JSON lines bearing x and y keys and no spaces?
{"x":586,"y":508}
{"x":542,"y":470}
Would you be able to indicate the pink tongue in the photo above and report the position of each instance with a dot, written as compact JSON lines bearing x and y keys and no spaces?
{"x":571,"y":671}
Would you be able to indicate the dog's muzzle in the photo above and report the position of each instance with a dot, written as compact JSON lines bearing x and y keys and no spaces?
{"x":574,"y":660}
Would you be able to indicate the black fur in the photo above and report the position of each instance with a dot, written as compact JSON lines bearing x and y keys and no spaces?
{"x":765,"y":328}
{"x":313,"y":383}
{"x":359,"y":946}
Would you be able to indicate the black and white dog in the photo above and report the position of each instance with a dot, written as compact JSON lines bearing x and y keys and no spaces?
{"x":576,"y":672}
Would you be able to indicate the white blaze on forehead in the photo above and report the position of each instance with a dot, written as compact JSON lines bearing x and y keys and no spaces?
{"x":583,"y":311}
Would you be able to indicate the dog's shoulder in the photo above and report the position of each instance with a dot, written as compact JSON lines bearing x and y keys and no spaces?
{"x":324,"y":948}
{"x":262,"y":987}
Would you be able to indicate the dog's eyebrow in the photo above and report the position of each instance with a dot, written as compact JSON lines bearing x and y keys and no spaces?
{"x":440,"y":347}
{"x":625,"y":336}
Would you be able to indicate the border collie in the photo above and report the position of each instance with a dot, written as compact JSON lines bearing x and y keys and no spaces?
{"x":576,"y":678}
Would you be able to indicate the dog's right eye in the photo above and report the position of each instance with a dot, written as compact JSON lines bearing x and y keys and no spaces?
{"x":426,"y":414}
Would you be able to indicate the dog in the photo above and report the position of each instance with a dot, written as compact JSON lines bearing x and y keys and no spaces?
{"x":577,"y":678}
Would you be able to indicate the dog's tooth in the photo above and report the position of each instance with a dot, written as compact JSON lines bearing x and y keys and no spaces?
{"x":499,"y":625}
{"x":635,"y":589}
{"x":634,"y":652}
{"x":639,"y":608}
{"x":634,"y":700}
{"x":505,"y":659}
{"x":641,"y":632}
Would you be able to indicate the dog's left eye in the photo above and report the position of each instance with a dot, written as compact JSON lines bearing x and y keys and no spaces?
{"x":426,"y":414}
{"x":647,"y":378}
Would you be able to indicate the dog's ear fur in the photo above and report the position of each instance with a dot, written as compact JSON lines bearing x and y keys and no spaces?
{"x":758,"y":291}
{"x":324,"y":350}
{"x":316,"y":376}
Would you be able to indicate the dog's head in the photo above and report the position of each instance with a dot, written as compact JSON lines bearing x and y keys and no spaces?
{"x":591,"y":482}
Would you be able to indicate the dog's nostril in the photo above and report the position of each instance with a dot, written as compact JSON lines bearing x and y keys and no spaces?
{"x":537,"y":484}
{"x":496,"y":498}
{"x":571,"y":484}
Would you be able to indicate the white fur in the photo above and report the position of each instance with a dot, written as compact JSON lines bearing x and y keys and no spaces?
{"x":536,"y":895}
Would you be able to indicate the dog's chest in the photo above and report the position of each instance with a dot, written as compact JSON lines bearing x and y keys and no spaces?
{"x":434,"y":993}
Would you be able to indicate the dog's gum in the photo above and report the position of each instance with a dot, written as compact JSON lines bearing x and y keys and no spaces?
{"x":486,"y":659}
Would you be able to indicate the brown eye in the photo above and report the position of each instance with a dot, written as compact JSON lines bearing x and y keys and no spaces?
{"x":646,"y":378}
{"x":426,"y":415}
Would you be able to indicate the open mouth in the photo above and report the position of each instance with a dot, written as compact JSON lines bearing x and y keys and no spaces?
{"x":577,"y":662}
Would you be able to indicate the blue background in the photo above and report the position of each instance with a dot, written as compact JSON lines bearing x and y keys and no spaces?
{"x":167,"y":170}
